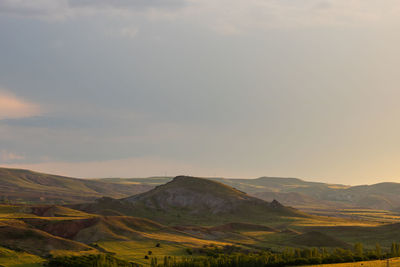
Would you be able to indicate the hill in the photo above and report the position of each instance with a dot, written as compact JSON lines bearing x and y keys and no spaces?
{"x":302,"y":194}
{"x":26,"y":186}
{"x":289,"y":191}
{"x":18,"y":236}
{"x":197,"y":201}
{"x":94,"y":229}
{"x":299,"y":193}
{"x":299,"y":199}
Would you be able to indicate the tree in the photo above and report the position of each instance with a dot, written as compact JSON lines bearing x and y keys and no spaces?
{"x":378,"y":250}
{"x":394,"y":250}
{"x":358,"y":249}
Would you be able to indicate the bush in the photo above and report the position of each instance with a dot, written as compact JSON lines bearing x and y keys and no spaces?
{"x":189,"y":251}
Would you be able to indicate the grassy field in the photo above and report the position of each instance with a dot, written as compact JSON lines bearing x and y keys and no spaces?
{"x":366,"y":215}
{"x":136,"y":251}
{"x":10,"y":258}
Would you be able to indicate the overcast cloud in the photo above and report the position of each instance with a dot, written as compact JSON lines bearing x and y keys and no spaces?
{"x":239,"y":88}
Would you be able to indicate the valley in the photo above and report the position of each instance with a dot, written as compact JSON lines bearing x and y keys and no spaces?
{"x":185,"y":217}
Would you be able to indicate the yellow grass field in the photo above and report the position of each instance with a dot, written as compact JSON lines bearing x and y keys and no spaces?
{"x":9,"y":258}
{"x":395,"y":262}
{"x":135,"y":251}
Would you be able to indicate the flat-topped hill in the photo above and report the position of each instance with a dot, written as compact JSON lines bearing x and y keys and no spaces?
{"x":198,"y":201}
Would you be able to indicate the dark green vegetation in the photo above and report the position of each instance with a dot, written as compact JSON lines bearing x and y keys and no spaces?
{"x":199,"y":222}
{"x":288,"y":257}
{"x":235,"y":256}
{"x":90,"y":260}
{"x":23,"y":186}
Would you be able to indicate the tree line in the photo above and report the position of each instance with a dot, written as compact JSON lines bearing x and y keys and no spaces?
{"x":233,"y":256}
{"x":287,"y":257}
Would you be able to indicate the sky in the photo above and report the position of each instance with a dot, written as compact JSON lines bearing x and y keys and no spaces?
{"x":238,"y":88}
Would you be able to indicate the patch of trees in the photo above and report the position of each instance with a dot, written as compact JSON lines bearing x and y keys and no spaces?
{"x":89,"y":260}
{"x":289,"y":257}
{"x":228,"y":256}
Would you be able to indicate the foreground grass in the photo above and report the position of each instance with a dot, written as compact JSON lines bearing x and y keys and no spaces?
{"x":378,"y":263}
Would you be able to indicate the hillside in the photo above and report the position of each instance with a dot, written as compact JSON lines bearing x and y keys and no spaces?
{"x":196,"y":194}
{"x":18,"y":236}
{"x":289,"y":191}
{"x":26,"y":186}
{"x":190,"y":200}
{"x":302,"y":194}
{"x":298,"y":193}
{"x":288,"y":198}
{"x":36,"y":233}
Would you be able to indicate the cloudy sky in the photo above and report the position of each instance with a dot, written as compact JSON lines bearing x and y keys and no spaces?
{"x":235,"y":88}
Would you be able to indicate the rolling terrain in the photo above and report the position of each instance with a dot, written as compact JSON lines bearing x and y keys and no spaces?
{"x":311,"y":197}
{"x":33,"y":234}
{"x":185,"y":216}
{"x":24,"y":186}
{"x":195,"y":201}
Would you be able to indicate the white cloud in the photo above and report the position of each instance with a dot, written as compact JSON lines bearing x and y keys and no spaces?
{"x":129,"y":32}
{"x":125,"y":4}
{"x":223,"y":16}
{"x":7,"y":156}
{"x":233,"y":16}
{"x":61,"y":9}
{"x":12,"y":107}
{"x":36,"y":8}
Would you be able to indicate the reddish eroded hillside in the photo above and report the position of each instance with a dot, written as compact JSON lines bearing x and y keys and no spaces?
{"x":18,"y":236}
{"x":96,"y":228}
{"x":53,"y":211}
{"x":62,"y":228}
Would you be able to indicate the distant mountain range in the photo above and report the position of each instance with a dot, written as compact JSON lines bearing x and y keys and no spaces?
{"x":32,"y":187}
